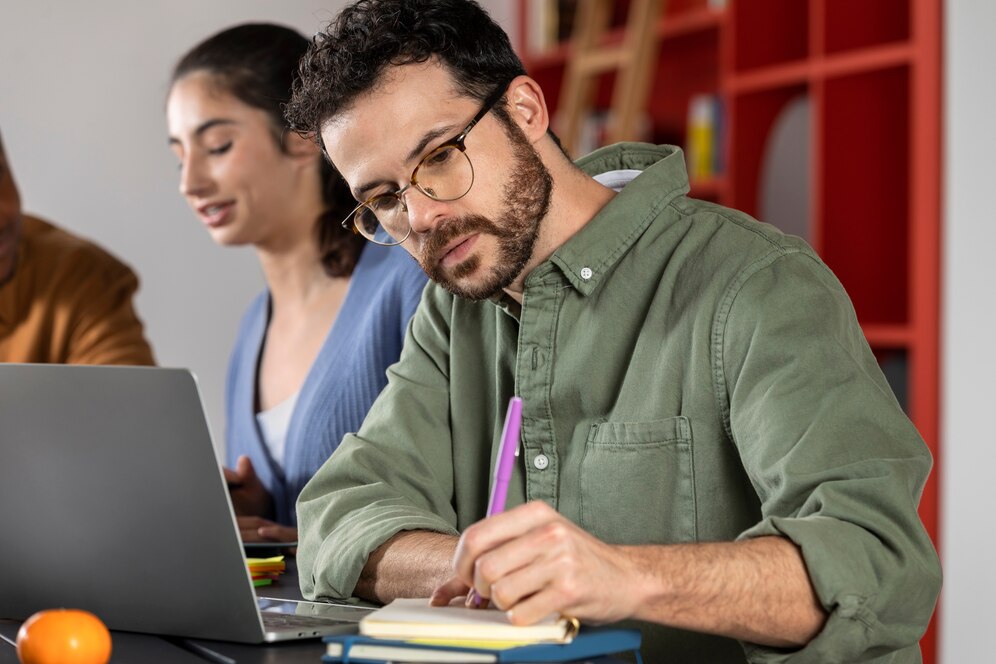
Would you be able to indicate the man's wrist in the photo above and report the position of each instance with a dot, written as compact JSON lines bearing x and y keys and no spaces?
{"x":646,"y":587}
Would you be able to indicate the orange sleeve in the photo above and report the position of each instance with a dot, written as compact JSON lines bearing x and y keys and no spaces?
{"x":105,"y":328}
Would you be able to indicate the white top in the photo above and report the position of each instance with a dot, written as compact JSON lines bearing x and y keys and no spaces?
{"x":273,"y":424}
{"x":617,"y":179}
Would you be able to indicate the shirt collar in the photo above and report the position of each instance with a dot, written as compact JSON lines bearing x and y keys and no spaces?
{"x":648,"y":177}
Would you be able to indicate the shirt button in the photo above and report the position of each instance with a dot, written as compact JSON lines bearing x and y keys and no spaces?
{"x":586,"y":273}
{"x":541,"y":461}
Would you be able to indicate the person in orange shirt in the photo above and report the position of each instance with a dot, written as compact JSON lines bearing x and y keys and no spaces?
{"x":63,"y":299}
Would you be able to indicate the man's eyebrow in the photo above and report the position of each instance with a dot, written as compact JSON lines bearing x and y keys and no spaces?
{"x":429,"y":137}
{"x":415,"y":152}
{"x":203,"y":127}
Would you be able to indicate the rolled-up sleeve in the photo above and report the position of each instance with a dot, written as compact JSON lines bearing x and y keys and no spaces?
{"x":395,"y":474}
{"x":837,"y":465}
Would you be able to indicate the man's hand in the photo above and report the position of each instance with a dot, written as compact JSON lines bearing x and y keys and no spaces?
{"x":249,"y":496}
{"x":532,"y":562}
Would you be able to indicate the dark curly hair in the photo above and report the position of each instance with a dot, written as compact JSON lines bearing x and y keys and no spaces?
{"x":256,"y":63}
{"x":349,"y":56}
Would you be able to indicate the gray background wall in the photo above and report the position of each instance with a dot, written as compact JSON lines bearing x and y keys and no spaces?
{"x":82,"y":92}
{"x":968,"y":488}
{"x":82,"y":87}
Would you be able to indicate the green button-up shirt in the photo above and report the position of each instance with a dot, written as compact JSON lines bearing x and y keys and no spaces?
{"x":688,"y":375}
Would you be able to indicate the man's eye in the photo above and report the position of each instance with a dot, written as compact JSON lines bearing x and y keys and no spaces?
{"x":221,"y":149}
{"x":439,"y":157}
{"x":386,"y":203}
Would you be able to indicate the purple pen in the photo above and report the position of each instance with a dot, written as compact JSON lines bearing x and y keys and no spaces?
{"x":508,"y":450}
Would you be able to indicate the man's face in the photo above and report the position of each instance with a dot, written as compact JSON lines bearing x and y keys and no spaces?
{"x":10,"y":218}
{"x":473,"y":246}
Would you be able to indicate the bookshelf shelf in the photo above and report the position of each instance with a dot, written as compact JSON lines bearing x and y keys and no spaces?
{"x":771,"y":77}
{"x":888,"y":336}
{"x":868,"y":74}
{"x":793,"y":73}
{"x":868,"y":60}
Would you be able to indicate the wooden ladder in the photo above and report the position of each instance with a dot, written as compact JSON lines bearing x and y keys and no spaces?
{"x":632,"y":59}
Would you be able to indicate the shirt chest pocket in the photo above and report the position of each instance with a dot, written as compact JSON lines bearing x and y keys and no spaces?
{"x":637,"y":482}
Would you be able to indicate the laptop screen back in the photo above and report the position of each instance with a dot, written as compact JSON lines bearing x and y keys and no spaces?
{"x":114,"y":502}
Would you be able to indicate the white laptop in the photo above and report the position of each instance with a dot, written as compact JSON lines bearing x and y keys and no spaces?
{"x":112,"y":500}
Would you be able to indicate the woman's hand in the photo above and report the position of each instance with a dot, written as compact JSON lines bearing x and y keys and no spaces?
{"x":249,"y":496}
{"x":257,"y":529}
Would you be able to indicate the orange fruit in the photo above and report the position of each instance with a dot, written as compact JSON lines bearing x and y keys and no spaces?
{"x":63,"y":636}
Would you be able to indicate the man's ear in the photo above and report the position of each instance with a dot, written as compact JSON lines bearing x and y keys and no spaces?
{"x":528,"y":107}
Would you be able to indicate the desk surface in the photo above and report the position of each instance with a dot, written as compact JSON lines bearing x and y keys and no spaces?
{"x":131,"y":648}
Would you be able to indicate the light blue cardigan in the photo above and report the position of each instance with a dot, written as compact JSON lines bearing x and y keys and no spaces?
{"x":346,"y":377}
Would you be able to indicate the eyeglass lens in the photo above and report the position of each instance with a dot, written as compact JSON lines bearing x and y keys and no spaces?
{"x":445,"y":174}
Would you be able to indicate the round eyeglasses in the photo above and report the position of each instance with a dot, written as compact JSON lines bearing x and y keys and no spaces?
{"x":445,"y":174}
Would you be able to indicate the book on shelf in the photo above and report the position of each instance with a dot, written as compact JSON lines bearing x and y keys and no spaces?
{"x":704,"y":141}
{"x":411,"y":630}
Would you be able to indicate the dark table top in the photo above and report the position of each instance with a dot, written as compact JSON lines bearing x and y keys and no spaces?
{"x":132,"y":648}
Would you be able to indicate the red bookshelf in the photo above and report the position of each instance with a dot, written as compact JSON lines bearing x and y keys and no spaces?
{"x":871,"y":72}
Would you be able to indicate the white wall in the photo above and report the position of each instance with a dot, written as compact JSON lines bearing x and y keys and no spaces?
{"x":968,"y":486}
{"x":82,"y":91}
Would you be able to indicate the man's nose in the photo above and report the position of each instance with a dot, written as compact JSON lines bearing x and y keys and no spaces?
{"x":424,"y":212}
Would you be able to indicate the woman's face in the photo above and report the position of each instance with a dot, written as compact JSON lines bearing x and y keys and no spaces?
{"x":234,"y":175}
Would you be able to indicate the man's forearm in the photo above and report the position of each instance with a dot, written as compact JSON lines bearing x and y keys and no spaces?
{"x":411,"y":564}
{"x":756,"y":590}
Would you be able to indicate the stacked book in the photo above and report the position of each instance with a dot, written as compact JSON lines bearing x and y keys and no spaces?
{"x":410,"y":630}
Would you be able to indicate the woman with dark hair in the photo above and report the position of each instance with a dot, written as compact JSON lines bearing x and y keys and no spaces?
{"x":313,"y":348}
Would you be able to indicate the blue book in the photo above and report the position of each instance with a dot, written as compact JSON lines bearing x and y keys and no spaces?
{"x":589,"y":642}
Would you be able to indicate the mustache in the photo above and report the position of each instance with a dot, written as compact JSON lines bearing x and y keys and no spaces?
{"x":434,"y":243}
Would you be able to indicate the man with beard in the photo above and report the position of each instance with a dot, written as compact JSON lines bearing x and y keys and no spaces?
{"x":62,"y":299}
{"x":708,"y":445}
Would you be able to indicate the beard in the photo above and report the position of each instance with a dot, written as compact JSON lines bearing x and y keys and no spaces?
{"x":527,"y":201}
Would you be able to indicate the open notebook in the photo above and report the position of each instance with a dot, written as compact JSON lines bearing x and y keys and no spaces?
{"x":416,"y":619}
